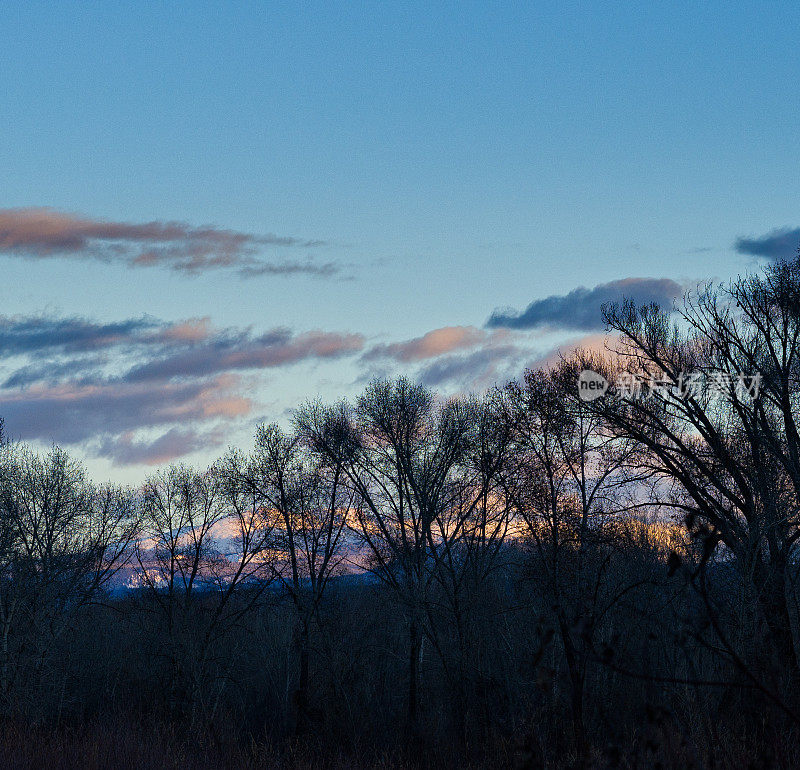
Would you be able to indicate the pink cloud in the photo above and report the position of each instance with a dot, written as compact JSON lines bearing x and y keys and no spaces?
{"x":591,"y":343}
{"x":191,"y":330}
{"x":432,"y":344}
{"x":46,"y":233}
{"x":229,"y":351}
{"x":74,"y":412}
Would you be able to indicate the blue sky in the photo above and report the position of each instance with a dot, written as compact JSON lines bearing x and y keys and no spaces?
{"x":431,"y":162}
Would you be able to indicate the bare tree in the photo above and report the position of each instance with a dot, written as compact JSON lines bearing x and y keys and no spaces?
{"x":312,"y":503}
{"x":729,"y":450}
{"x":469,"y":531}
{"x":205,"y":558}
{"x":62,"y":540}
{"x":406,"y":455}
{"x":565,"y":479}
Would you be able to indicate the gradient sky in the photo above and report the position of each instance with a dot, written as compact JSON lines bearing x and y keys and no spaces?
{"x":211,"y":212}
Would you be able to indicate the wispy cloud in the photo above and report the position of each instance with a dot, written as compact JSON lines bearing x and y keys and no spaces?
{"x":497,"y":364}
{"x":452,"y":357}
{"x":32,"y":334}
{"x":156,"y":350}
{"x":482,"y":368}
{"x":126,"y":449}
{"x":101,"y":385}
{"x":72,"y":413}
{"x":781,"y":243}
{"x":580,"y":309}
{"x":590,"y":343}
{"x":44,"y":233}
{"x":233,"y":350}
{"x":434,"y":343}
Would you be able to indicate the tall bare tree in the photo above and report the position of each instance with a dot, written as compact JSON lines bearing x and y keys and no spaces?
{"x":205,"y":558}
{"x":406,"y":456}
{"x":725,"y":443}
{"x":312,"y":503}
{"x":565,"y":479}
{"x":62,"y":540}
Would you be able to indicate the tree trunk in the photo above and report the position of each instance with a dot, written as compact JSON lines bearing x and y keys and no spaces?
{"x":300,"y":696}
{"x":413,"y":676}
{"x":576,"y":681}
{"x":780,"y":648}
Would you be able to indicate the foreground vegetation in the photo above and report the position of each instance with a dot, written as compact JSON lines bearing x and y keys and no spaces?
{"x":524,"y":579}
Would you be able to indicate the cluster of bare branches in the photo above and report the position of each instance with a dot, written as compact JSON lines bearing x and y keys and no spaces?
{"x":525,"y":536}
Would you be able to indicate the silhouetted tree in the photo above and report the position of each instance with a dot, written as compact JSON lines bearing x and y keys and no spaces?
{"x":565,"y":479}
{"x":205,"y":558}
{"x":312,"y":504}
{"x":61,"y":541}
{"x":406,"y":456}
{"x":729,"y":456}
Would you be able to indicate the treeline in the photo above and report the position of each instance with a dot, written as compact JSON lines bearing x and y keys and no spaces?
{"x":525,"y":578}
